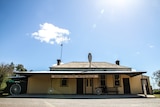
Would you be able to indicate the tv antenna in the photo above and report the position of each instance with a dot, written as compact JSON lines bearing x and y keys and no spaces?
{"x":90,"y":59}
{"x":61,"y":52}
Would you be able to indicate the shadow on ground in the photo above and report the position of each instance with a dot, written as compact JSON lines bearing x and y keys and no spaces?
{"x":79,"y":96}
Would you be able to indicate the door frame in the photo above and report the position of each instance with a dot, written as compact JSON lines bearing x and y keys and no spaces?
{"x":88,"y":85}
{"x":79,"y":85}
{"x":126,"y":86}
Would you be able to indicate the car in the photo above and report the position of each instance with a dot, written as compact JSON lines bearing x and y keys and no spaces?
{"x":16,"y":85}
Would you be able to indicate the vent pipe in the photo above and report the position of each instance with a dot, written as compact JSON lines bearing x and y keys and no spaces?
{"x":117,"y":62}
{"x":58,"y":61}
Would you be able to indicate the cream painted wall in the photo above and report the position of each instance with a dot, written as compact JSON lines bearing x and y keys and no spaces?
{"x":95,"y":84}
{"x":109,"y":81}
{"x":71,"y":87}
{"x":42,"y":84}
{"x":38,"y":84}
{"x":135,"y":83}
{"x":136,"y":86}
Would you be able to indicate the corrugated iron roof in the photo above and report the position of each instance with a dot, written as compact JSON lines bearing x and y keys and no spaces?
{"x":81,"y":65}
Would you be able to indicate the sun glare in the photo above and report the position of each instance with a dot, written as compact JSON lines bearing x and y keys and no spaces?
{"x":118,"y":4}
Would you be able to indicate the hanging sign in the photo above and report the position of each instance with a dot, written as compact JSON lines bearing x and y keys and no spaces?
{"x":74,"y":76}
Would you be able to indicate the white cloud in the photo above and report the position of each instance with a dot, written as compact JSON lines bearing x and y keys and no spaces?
{"x":50,"y":33}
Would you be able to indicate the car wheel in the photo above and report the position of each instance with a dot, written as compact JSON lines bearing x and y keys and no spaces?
{"x":15,"y":89}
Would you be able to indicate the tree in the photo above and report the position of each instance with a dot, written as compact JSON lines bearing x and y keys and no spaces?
{"x":20,"y":67}
{"x":5,"y":71}
{"x":12,"y":66}
{"x":159,"y":84}
{"x":156,"y":76}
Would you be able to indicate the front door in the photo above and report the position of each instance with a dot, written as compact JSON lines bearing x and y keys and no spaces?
{"x":79,"y":85}
{"x":89,"y":85}
{"x":126,"y":86}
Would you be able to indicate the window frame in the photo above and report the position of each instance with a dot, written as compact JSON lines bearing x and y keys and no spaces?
{"x":102,"y":80}
{"x":64,"y":82}
{"x":89,"y":82}
{"x":117,"y":79}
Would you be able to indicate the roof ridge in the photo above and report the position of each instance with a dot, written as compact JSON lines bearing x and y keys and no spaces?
{"x":88,"y":62}
{"x":82,"y":64}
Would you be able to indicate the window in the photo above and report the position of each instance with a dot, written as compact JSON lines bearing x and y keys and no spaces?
{"x":102,"y":77}
{"x":116,"y":80}
{"x":64,"y":82}
{"x":89,"y":82}
{"x":102,"y":83}
{"x":102,"y":80}
{"x":116,"y":76}
{"x":117,"y":83}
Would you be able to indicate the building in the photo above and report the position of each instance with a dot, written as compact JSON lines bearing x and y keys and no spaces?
{"x":87,"y":78}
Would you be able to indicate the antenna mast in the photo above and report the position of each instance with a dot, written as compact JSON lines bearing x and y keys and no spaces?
{"x":61,"y":52}
{"x":90,"y":59}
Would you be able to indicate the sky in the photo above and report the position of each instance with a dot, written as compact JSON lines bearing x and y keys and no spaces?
{"x":32,"y":31}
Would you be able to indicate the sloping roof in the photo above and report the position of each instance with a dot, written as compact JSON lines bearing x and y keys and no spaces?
{"x":83,"y":68}
{"x":86,"y":65}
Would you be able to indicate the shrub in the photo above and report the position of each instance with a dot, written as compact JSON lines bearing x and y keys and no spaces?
{"x":156,"y":91}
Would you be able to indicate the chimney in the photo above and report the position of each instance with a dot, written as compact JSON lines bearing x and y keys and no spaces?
{"x":117,"y":62}
{"x":58,"y":61}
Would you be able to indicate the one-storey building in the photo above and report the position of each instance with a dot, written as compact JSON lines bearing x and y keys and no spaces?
{"x":87,"y":78}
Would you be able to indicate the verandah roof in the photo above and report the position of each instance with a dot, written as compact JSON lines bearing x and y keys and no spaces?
{"x":130,"y":73}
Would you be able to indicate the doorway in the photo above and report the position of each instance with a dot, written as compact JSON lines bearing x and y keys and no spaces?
{"x":79,"y":85}
{"x":126,"y":86}
{"x":88,"y":85}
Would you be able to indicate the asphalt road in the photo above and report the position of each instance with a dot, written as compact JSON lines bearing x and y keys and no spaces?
{"x":44,"y":102}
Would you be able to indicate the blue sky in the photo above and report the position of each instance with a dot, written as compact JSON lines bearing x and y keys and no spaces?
{"x":31,"y":32}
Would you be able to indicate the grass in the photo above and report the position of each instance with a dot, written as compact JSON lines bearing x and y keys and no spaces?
{"x":157,"y":95}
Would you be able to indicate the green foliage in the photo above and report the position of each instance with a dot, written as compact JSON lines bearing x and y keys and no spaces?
{"x":158,"y":83}
{"x":5,"y":71}
{"x":20,"y":67}
{"x":156,"y":91}
{"x":3,"y":84}
{"x":156,"y":76}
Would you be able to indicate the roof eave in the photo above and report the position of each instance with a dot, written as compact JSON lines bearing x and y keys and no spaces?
{"x":130,"y":73}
